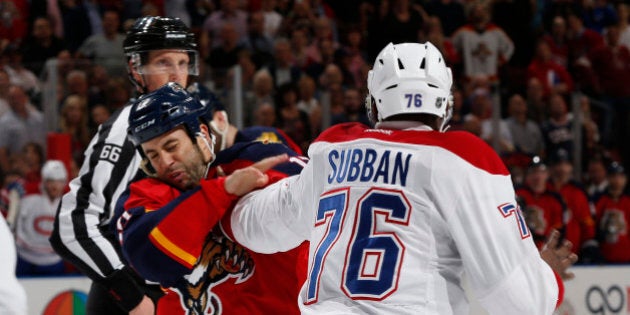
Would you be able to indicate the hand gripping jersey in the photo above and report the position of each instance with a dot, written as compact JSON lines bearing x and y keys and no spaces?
{"x":394,"y":217}
{"x":172,"y":237}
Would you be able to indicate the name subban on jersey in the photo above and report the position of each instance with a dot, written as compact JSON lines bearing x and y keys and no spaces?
{"x":369,"y":165}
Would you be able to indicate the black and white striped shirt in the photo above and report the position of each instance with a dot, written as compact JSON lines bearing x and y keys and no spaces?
{"x":81,"y":233}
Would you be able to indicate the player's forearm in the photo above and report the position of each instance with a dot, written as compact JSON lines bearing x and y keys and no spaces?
{"x":268,"y":220}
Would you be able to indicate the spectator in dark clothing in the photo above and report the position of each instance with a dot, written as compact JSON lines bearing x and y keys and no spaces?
{"x":76,"y":24}
{"x":224,"y":56}
{"x":450,"y":12}
{"x":40,"y":46}
{"x":256,"y":41}
{"x":557,"y":130}
{"x":354,"y":111}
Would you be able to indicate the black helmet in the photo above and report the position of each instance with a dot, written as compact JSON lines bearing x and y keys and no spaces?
{"x":151,"y":33}
{"x":156,"y":32}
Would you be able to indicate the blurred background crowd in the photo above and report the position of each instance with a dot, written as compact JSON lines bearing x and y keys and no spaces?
{"x":544,"y":82}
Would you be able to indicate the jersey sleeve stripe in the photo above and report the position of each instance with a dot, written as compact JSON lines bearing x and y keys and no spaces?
{"x":160,"y":240}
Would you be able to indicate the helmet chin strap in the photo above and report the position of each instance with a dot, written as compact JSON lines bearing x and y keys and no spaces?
{"x":210,"y":148}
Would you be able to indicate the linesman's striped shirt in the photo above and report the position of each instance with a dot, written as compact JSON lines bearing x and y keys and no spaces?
{"x":81,"y":232}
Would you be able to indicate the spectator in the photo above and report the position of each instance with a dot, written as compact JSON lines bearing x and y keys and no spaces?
{"x":544,"y":209}
{"x":537,"y":107}
{"x":256,"y":41}
{"x":5,"y":83}
{"x":283,"y":69}
{"x":450,"y":12}
{"x":14,"y":26}
{"x":558,"y":129}
{"x":34,"y":224}
{"x":261,"y":92}
{"x":272,"y":19}
{"x":300,"y":39}
{"x":224,"y":56}
{"x":525,"y":133}
{"x":117,"y":93}
{"x":611,"y":65}
{"x":354,"y":109}
{"x":613,"y":215}
{"x":213,"y":25}
{"x":22,"y":124}
{"x":581,"y":42}
{"x":306,"y":95}
{"x":436,"y":36}
{"x":483,"y":46}
{"x":40,"y":46}
{"x":18,"y":74}
{"x":557,"y":41}
{"x":31,"y":161}
{"x":401,"y":22}
{"x":555,"y":78}
{"x":74,"y":122}
{"x":77,"y":84}
{"x":579,"y":225}
{"x":265,"y":115}
{"x":299,"y":15}
{"x":293,"y":121}
{"x":199,"y":11}
{"x":322,"y":31}
{"x":481,"y":108}
{"x":596,"y":180}
{"x":106,"y":49}
{"x":99,"y":114}
{"x":76,"y":23}
{"x":598,"y":15}
{"x":357,"y":67}
{"x":623,"y":24}
{"x":590,"y":131}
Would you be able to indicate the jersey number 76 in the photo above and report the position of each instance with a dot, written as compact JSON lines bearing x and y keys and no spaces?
{"x":373,"y":256}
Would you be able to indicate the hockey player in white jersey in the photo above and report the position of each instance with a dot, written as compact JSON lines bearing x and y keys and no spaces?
{"x":396,"y":215}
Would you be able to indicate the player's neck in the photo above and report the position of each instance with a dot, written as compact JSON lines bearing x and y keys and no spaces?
{"x":403,"y":124}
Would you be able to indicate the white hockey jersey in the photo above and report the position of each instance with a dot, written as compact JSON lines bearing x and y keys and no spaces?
{"x":394,"y":218}
{"x":34,"y":226}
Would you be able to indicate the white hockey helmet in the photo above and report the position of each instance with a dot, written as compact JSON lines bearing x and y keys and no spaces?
{"x":410,"y":78}
{"x":54,"y":170}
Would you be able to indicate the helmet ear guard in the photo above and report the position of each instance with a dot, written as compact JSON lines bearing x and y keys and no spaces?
{"x":147,"y":168}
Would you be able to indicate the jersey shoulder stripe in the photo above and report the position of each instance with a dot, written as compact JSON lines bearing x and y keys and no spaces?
{"x":463,"y":144}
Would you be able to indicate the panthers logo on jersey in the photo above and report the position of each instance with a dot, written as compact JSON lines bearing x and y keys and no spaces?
{"x":535,"y":218}
{"x":613,"y":225}
{"x":221,"y":259}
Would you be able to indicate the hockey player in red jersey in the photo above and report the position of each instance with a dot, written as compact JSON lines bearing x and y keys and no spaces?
{"x":169,"y":231}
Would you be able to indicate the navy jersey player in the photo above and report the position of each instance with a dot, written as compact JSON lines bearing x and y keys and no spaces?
{"x":169,"y":223}
{"x":395,"y":215}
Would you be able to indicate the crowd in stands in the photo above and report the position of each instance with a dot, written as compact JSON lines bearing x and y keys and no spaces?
{"x":540,"y":81}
